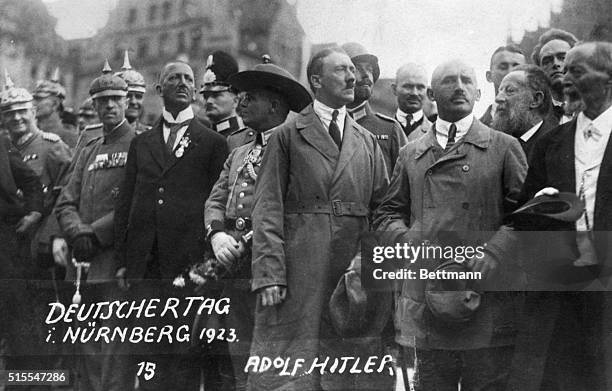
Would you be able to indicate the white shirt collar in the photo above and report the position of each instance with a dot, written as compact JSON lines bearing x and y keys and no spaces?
{"x":324,"y":112}
{"x":463,"y":125}
{"x":603,"y":122}
{"x":528,"y":134}
{"x":401,"y":115}
{"x":183,"y":116}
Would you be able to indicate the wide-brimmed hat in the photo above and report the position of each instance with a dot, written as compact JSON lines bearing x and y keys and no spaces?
{"x":544,"y":211}
{"x":452,"y":300}
{"x":272,"y":77}
{"x":358,"y":52}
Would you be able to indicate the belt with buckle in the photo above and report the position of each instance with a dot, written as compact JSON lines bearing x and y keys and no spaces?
{"x":239,"y":224}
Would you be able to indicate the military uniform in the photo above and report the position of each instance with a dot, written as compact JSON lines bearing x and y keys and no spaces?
{"x":85,"y":210}
{"x":235,"y":131}
{"x":49,"y":157}
{"x":388,"y":132}
{"x":53,"y":124}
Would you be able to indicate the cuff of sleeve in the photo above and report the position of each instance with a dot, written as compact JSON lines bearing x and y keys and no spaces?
{"x":214,"y":227}
{"x":261,"y":283}
{"x":80,"y":230}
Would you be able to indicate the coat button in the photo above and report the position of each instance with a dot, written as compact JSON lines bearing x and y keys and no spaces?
{"x":161,"y":190}
{"x":465,"y":168}
{"x":241,"y":195}
{"x":160,"y":202}
{"x":240,"y":206}
{"x":244,"y":184}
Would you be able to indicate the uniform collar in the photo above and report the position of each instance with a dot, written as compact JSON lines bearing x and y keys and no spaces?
{"x":358,"y":112}
{"x":26,"y":139}
{"x":263,"y":137}
{"x":230,"y":124}
{"x":117,"y":132}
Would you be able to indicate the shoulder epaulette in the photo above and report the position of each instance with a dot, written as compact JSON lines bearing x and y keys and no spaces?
{"x":92,"y":126}
{"x":385,"y":117}
{"x":54,"y":138}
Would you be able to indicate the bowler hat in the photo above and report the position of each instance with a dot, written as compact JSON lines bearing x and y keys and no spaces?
{"x":358,"y":52}
{"x":272,"y":77}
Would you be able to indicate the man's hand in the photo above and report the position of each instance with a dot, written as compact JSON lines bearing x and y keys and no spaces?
{"x":27,"y":222}
{"x":59,"y":249}
{"x":83,"y":248}
{"x":549,"y":191}
{"x":272,"y":295}
{"x":487,"y":265}
{"x":121,"y":279}
{"x":227,"y":250}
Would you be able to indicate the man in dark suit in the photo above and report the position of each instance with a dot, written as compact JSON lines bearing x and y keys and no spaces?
{"x":387,"y":131}
{"x":158,"y":220}
{"x":503,"y":60}
{"x":524,"y":105}
{"x":575,"y":157}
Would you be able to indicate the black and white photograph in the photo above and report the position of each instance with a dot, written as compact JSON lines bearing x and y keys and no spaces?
{"x":293,"y":195}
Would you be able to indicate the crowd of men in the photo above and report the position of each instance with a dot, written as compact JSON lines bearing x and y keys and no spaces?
{"x":263,"y":197}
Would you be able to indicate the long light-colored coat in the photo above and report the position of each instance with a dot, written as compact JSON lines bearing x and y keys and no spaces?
{"x":466,"y":191}
{"x":299,"y":243}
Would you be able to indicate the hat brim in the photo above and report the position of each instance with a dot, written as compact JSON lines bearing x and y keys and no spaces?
{"x":215,"y":87}
{"x":296,"y":94}
{"x":372,"y":59}
{"x":16,"y":106}
{"x":100,"y":94}
{"x":136,"y":89}
{"x":564,"y":206}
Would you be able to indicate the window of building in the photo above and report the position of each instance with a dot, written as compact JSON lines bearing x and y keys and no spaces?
{"x":132,"y":16}
{"x":167,"y":10}
{"x":163,"y":43}
{"x":181,"y":41}
{"x":196,"y":38}
{"x":153,"y":12}
{"x":143,"y":48}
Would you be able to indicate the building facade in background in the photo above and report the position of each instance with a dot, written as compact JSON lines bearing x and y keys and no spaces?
{"x":157,"y":31}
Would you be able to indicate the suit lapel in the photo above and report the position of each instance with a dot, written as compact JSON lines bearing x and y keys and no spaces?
{"x":350,"y":143}
{"x":173,"y":159}
{"x":603,"y":209}
{"x":155,"y":142}
{"x":314,"y":133}
{"x":564,"y":159}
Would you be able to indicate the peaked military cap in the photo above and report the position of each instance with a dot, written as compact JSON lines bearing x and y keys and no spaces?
{"x":107,"y":84}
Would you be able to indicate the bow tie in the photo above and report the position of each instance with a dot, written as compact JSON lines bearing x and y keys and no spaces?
{"x":593,"y":132}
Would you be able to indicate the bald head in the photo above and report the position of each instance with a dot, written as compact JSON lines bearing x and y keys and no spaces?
{"x":176,"y":86}
{"x":455,"y":89}
{"x":410,"y":87}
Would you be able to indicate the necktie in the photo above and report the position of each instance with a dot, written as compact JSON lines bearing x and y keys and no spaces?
{"x":334,"y":130}
{"x":593,"y":132}
{"x":452,"y":132}
{"x":408,"y":120}
{"x":174,"y":128}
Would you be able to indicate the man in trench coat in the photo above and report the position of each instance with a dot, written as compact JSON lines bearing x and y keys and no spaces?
{"x":312,"y":201}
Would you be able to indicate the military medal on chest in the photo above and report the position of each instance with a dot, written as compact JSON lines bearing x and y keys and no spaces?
{"x":253,"y":159}
{"x":183,"y":143}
